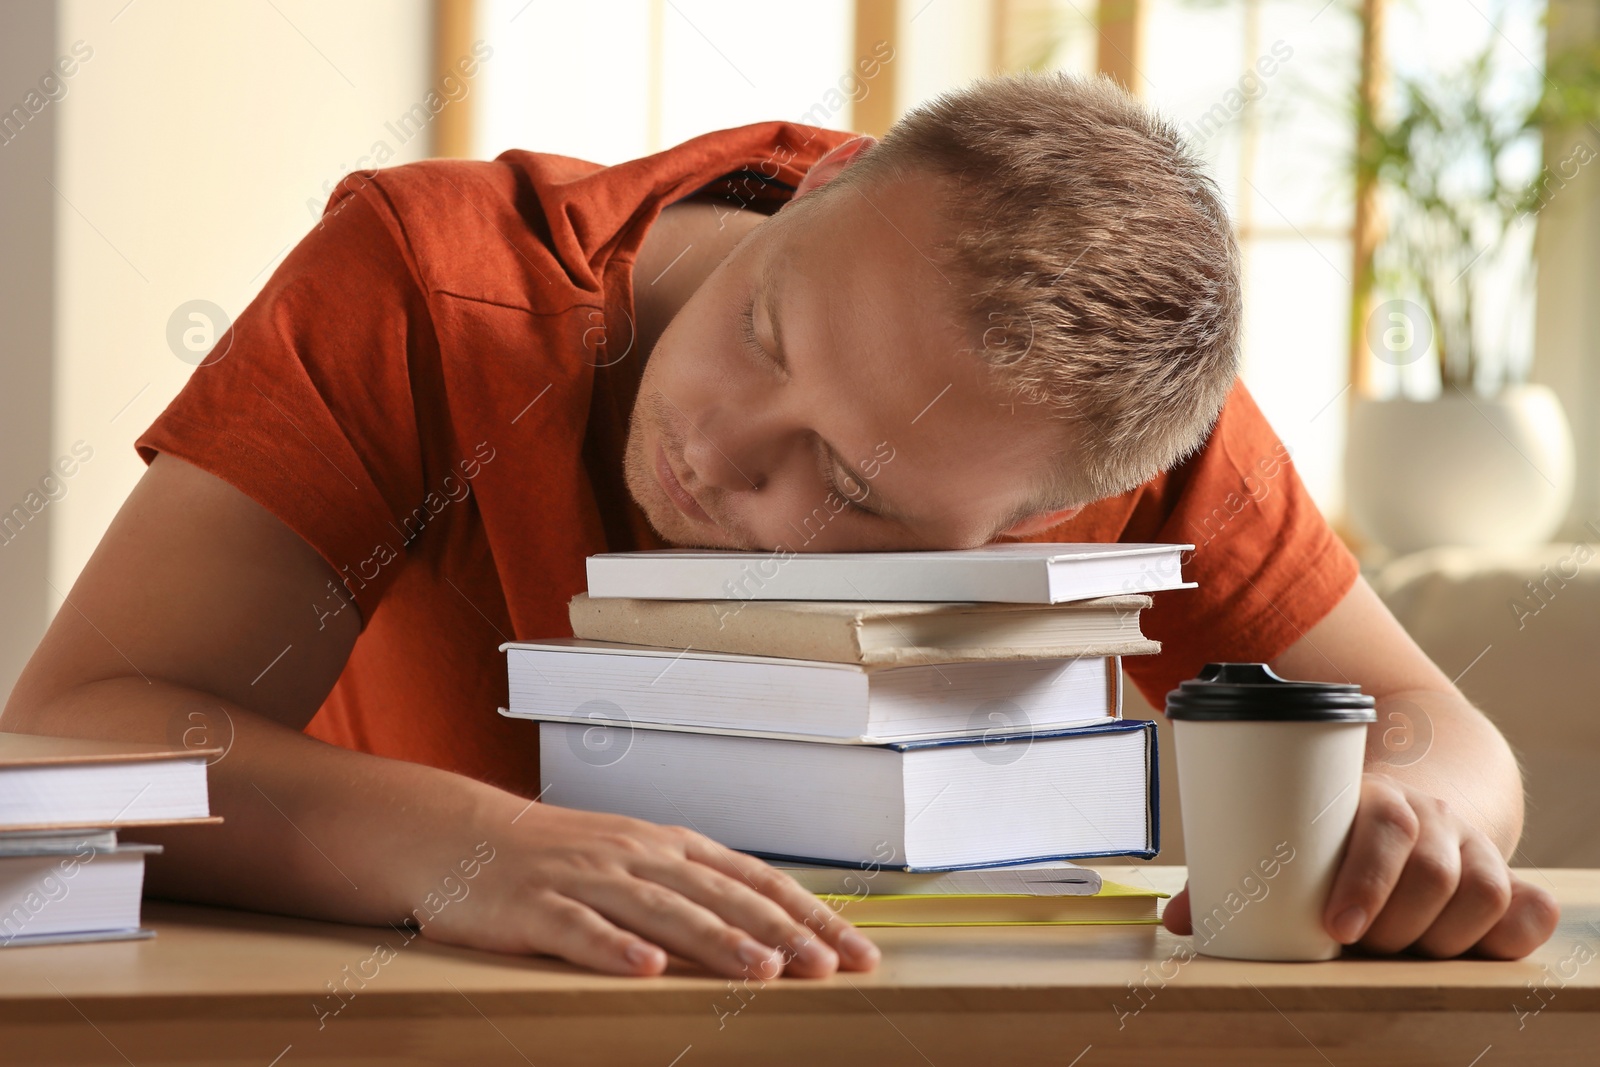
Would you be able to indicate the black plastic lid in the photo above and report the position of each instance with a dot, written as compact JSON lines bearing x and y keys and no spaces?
{"x":1252,"y":692}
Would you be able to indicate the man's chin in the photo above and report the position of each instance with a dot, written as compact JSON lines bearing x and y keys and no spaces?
{"x":691,"y":541}
{"x":679,"y":532}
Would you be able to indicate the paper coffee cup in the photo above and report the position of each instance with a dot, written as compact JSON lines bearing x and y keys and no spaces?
{"x":1269,"y":776}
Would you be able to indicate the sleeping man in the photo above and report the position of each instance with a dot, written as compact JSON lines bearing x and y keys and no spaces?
{"x":1015,"y":317}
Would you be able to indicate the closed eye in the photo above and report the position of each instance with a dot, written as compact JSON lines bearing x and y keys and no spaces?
{"x":851,"y":504}
{"x":831,"y":466}
{"x":747,"y":330}
{"x":828,"y":461}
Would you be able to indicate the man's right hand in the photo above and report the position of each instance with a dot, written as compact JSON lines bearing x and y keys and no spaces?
{"x":618,"y":894}
{"x":192,"y":589}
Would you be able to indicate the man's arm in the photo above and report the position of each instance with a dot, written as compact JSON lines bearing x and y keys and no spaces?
{"x":199,"y":609}
{"x":1441,"y":803}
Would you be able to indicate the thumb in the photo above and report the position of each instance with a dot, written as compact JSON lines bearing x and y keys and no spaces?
{"x":1175,"y":917}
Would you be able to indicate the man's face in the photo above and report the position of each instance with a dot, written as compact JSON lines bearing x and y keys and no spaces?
{"x":860,"y":416}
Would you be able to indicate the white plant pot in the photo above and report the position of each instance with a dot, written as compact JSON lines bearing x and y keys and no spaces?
{"x":1460,"y":470}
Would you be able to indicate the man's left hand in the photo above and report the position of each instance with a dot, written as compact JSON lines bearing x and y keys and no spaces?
{"x":1419,"y":878}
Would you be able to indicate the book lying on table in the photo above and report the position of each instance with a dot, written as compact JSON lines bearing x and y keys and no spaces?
{"x":916,"y":805}
{"x":1054,"y":878}
{"x":602,"y":682}
{"x":1113,"y":903}
{"x":1053,"y":893}
{"x":889,"y":635}
{"x":89,"y":893}
{"x":61,"y":783}
{"x":1010,"y":573}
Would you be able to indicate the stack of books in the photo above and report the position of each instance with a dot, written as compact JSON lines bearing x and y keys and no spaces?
{"x":881,"y":712}
{"x":64,"y":875}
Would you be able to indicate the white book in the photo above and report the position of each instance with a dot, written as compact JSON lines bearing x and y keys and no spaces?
{"x":601,"y":683}
{"x":89,"y":895}
{"x":72,"y":783}
{"x":43,"y":842}
{"x":1046,"y":573}
{"x":919,"y":805}
{"x":1056,"y":878}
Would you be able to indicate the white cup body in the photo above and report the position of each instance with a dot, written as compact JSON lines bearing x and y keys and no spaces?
{"x":1267,"y":811}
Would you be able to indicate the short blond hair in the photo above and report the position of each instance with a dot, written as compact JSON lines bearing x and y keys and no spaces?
{"x":1097,"y":265}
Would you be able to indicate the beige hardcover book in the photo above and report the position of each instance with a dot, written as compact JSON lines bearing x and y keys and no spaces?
{"x":880,"y":634}
{"x":61,"y":783}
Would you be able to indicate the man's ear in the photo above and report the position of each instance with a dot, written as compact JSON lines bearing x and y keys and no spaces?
{"x":828,"y":167}
{"x":1038,"y":523}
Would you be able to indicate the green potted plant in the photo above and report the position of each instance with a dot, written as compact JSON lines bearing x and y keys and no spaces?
{"x":1488,"y":461}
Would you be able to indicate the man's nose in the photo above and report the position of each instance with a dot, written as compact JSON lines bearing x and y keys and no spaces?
{"x":736,"y":456}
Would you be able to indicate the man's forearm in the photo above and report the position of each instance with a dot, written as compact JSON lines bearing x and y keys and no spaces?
{"x":310,"y":829}
{"x":1441,"y":744}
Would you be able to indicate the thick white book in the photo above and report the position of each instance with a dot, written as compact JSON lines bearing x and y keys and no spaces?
{"x":88,"y":895}
{"x":1048,"y":573}
{"x":70,"y":783}
{"x":916,"y":805}
{"x":610,"y":684}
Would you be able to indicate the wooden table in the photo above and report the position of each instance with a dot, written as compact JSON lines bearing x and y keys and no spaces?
{"x":225,"y":987}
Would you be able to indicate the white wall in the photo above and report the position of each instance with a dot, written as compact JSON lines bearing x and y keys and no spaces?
{"x":27,"y":278}
{"x":190,"y":144}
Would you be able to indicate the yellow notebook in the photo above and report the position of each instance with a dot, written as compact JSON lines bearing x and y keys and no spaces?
{"x":1114,"y":904}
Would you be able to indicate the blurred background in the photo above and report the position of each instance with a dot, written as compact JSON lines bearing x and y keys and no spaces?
{"x":1411,"y":182}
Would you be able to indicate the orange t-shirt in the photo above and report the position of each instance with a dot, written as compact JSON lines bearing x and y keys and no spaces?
{"x":433,"y":391}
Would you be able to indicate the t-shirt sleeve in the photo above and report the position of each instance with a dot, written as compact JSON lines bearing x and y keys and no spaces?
{"x":305,"y":404}
{"x":1267,"y":564}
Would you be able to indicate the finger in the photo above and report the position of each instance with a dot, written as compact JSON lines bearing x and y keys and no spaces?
{"x":732,"y":899}
{"x":1427,"y":883}
{"x":679,"y":925}
{"x":561,"y":926}
{"x":1529,"y":921}
{"x":1175,"y":916}
{"x":1481,"y":898}
{"x":1380,"y":840}
{"x":855,"y":952}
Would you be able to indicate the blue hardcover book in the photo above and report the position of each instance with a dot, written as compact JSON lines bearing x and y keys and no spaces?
{"x":927,"y":805}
